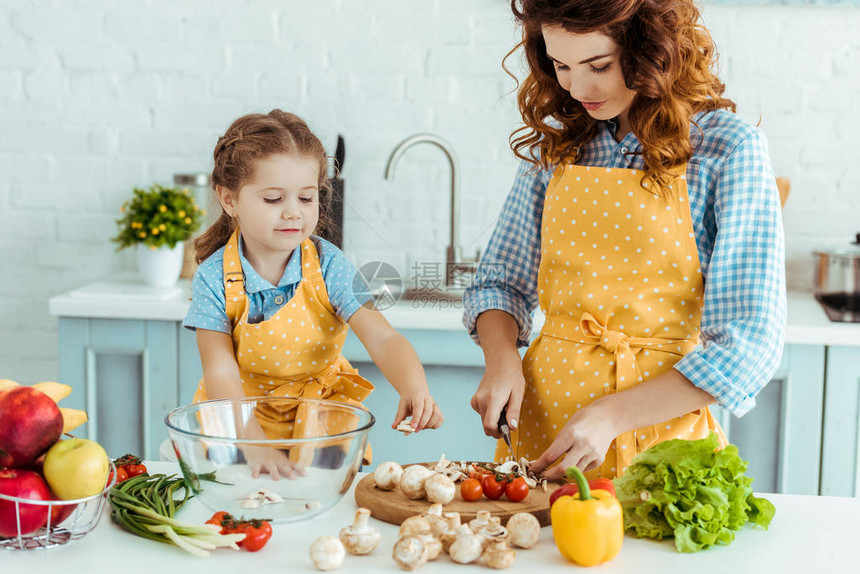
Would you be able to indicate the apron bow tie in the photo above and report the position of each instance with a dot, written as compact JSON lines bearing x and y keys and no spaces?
{"x":612,"y":341}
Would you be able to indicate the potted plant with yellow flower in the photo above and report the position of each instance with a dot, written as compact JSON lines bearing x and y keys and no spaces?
{"x":157,"y":221}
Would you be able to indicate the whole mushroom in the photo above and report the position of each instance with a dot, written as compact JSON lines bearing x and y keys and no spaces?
{"x":387,"y":475}
{"x":499,"y":555}
{"x":360,"y":538}
{"x":467,"y":548}
{"x":412,"y":481}
{"x":327,"y":553}
{"x":414,"y":525}
{"x":409,"y":553}
{"x":434,"y":518}
{"x":481,"y":520}
{"x":452,"y":525}
{"x":440,"y":488}
{"x":524,"y":529}
{"x":493,"y":533}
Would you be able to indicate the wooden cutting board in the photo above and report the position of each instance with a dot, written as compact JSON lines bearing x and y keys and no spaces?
{"x":393,"y":507}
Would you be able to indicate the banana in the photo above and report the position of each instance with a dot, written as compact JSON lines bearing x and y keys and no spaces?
{"x":54,"y":390}
{"x":72,"y":418}
{"x":7,"y":384}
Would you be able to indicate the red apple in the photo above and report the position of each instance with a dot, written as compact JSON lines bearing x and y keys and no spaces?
{"x":30,"y":422}
{"x":60,"y":511}
{"x":22,"y":484}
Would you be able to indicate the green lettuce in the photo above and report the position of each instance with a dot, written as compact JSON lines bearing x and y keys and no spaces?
{"x":692,"y":490}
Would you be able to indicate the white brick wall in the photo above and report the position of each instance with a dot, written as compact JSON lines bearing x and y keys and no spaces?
{"x":99,"y":96}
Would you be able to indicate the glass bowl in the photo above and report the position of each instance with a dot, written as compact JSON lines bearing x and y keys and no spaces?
{"x":66,"y":520}
{"x":213,"y":441}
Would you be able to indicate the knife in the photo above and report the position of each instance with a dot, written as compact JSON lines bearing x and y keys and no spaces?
{"x":506,"y":431}
{"x":339,"y":156}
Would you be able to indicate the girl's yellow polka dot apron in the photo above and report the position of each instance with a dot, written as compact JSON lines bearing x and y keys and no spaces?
{"x":295,"y":353}
{"x":621,"y":287}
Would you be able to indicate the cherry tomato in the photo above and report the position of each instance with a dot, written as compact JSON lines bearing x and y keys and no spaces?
{"x":121,"y":474}
{"x":134,"y":469}
{"x":517,"y":489}
{"x":493,"y":489}
{"x":130,"y":465}
{"x":223,"y":519}
{"x":257,"y":533}
{"x":470,"y":490}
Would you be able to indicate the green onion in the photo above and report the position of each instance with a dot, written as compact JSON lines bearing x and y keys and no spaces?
{"x":145,"y":505}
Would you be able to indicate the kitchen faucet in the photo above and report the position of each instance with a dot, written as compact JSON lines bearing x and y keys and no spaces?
{"x":455,"y":263}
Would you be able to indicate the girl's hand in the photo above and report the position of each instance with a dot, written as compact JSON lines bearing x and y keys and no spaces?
{"x":501,"y":386}
{"x":582,"y":442}
{"x":424,"y":410}
{"x":273,"y":461}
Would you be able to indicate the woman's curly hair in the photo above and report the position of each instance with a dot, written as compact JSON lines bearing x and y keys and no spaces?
{"x":667,"y":57}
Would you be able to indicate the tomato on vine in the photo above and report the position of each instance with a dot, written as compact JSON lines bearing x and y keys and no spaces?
{"x":257,"y":533}
{"x":493,"y":488}
{"x":517,"y":489}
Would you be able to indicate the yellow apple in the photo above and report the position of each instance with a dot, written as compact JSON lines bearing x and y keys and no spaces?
{"x":76,"y":468}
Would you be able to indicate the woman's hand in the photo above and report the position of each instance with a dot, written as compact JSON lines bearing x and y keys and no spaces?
{"x":582,"y":442}
{"x":273,"y":461}
{"x":502,"y":386}
{"x":425,"y":413}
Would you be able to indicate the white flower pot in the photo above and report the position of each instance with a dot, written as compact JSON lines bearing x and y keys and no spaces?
{"x":160,"y":267}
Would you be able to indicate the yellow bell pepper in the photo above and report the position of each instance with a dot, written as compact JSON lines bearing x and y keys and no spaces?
{"x":588,"y":528}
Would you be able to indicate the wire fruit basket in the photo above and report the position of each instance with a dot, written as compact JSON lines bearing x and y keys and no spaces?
{"x":66,"y":520}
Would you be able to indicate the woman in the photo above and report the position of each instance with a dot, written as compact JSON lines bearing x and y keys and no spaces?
{"x":645,"y":221}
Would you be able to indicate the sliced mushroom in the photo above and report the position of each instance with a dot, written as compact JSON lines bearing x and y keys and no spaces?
{"x":327,"y":553}
{"x":405,"y":427}
{"x":499,"y":555}
{"x":440,"y":488}
{"x":387,"y":475}
{"x":434,"y":518}
{"x":480,"y":521}
{"x":466,"y":548}
{"x":260,"y":497}
{"x":409,"y":553}
{"x":443,"y":464}
{"x":360,"y":538}
{"x":524,"y":529}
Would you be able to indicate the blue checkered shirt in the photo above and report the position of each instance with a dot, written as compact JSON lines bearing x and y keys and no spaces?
{"x":737,"y":220}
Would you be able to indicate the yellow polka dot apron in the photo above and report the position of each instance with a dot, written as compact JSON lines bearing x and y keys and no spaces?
{"x":295,"y":353}
{"x":620,"y":284}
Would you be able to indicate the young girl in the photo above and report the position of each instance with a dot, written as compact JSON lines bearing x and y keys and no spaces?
{"x":645,"y":221}
{"x":271,"y":302}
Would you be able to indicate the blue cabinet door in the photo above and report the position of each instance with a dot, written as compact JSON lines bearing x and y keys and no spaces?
{"x":781,"y":436}
{"x":124,"y":374}
{"x":840,"y":461}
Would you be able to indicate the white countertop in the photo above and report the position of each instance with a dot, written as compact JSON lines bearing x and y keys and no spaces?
{"x":808,"y":534}
{"x":125,"y":297}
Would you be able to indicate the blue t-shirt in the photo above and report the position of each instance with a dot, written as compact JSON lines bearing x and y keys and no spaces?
{"x":208,"y":305}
